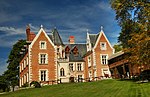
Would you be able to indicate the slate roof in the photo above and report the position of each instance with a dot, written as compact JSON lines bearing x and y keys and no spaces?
{"x":116,"y":55}
{"x":81,"y":49}
{"x":55,"y":37}
{"x":93,"y":38}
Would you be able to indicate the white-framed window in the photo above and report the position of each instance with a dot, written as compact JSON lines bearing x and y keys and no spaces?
{"x":89,"y":61}
{"x":79,"y":67}
{"x":43,"y":75}
{"x":104,"y":59}
{"x":62,"y":72}
{"x":71,"y":66}
{"x":103,"y":45}
{"x":42,"y":44}
{"x":79,"y":78}
{"x":43,"y":58}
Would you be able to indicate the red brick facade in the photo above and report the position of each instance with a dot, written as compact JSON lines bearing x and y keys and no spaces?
{"x":46,"y":58}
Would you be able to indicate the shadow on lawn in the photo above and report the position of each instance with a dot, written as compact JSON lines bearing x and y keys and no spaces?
{"x":135,"y":80}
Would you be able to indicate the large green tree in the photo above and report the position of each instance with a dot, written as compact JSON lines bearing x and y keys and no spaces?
{"x":12,"y":72}
{"x":133,"y":16}
{"x":4,"y":85}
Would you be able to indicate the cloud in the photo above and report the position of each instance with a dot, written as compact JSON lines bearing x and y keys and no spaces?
{"x":11,"y":31}
{"x":10,"y":35}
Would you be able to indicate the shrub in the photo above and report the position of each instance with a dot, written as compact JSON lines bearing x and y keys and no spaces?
{"x":26,"y":85}
{"x":36,"y":84}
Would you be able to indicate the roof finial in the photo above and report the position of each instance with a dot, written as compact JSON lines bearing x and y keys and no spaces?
{"x":28,"y":26}
{"x":101,"y":28}
{"x":55,"y":27}
{"x":41,"y":26}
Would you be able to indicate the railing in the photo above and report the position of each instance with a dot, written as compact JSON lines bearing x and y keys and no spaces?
{"x":76,"y":80}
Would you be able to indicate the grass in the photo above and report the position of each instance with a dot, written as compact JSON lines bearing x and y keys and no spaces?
{"x":104,"y":88}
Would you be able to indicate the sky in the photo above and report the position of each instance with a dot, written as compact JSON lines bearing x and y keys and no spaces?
{"x":70,"y":17}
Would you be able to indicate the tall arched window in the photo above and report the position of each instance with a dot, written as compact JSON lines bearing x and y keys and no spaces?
{"x":62,"y":72}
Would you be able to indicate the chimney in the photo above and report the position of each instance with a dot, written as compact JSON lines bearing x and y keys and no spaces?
{"x":28,"y":32}
{"x":71,"y":40}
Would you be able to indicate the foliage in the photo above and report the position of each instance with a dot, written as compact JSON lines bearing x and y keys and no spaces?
{"x":4,"y":84}
{"x":145,"y":75}
{"x":26,"y":85}
{"x":117,"y":48}
{"x":134,"y":19}
{"x":12,"y":74}
{"x":36,"y":84}
{"x":103,"y":88}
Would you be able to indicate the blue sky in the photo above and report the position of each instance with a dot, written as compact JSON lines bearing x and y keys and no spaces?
{"x":71,"y":17}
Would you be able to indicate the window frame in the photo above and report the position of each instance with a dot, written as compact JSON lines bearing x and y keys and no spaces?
{"x":105,"y":46}
{"x":45,"y":75}
{"x":71,"y":67}
{"x":79,"y":66}
{"x":106,"y":59}
{"x":41,"y":58}
{"x":62,"y":72}
{"x":41,"y":46}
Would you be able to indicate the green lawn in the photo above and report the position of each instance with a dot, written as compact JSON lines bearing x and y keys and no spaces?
{"x":104,"y":88}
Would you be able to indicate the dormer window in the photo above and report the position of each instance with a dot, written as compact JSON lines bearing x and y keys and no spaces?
{"x":103,"y":45}
{"x":42,"y":44}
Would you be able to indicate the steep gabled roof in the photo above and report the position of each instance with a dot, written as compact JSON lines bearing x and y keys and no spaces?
{"x":38,"y":35}
{"x":93,"y":38}
{"x":98,"y":39}
{"x":75,"y":58}
{"x":56,"y":37}
{"x":81,"y":48}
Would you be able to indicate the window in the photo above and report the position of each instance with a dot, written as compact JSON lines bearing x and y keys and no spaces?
{"x":89,"y":61}
{"x":71,"y":67}
{"x":104,"y":59}
{"x":103,"y":45}
{"x":42,"y":45}
{"x":43,"y":75}
{"x":43,"y":59}
{"x":79,"y":67}
{"x":79,"y":78}
{"x":57,"y":49}
{"x":62,"y":72}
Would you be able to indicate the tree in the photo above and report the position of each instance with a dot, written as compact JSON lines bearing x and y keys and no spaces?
{"x":117,"y":48}
{"x":12,"y":74}
{"x":4,"y":84}
{"x":133,"y":16}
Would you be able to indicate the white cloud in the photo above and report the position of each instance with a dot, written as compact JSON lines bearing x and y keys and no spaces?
{"x":10,"y":35}
{"x":12,"y":31}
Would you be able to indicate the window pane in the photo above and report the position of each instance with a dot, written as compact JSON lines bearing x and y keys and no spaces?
{"x":43,"y":75}
{"x":104,"y":59}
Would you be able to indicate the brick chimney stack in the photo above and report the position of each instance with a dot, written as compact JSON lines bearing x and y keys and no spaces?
{"x":71,"y":40}
{"x":28,"y":32}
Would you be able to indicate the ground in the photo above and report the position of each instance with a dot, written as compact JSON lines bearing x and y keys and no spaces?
{"x":104,"y":88}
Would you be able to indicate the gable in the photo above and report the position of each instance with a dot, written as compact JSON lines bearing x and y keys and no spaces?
{"x":102,"y":38}
{"x":41,"y":34}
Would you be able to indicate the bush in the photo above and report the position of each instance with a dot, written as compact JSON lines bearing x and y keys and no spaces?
{"x":26,"y":85}
{"x":145,"y":75}
{"x":36,"y":84}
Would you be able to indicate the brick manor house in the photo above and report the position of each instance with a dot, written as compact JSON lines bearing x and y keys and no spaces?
{"x":46,"y":58}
